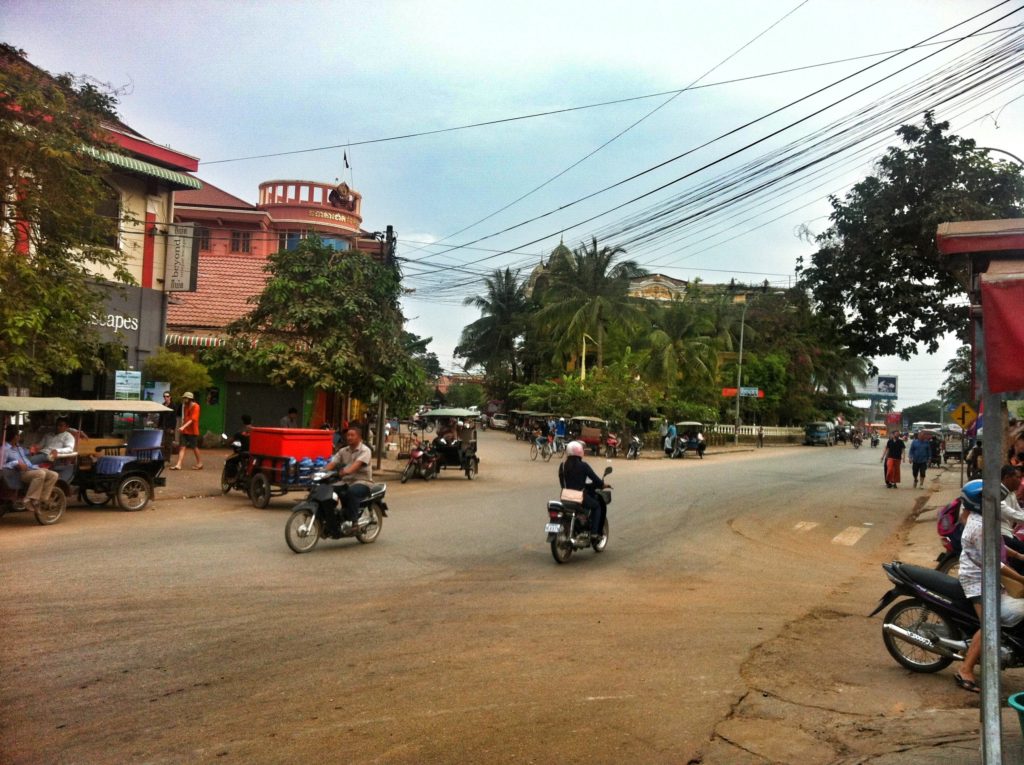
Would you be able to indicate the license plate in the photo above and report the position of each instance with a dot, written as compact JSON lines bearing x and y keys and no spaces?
{"x":553,"y":528}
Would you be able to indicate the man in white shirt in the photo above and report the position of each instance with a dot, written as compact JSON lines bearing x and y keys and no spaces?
{"x":353,"y":465}
{"x":57,"y":444}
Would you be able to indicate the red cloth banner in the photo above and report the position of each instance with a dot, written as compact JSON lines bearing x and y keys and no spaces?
{"x":1002,"y":306}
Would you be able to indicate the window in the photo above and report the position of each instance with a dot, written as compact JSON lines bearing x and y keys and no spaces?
{"x":203,"y":235}
{"x":288,"y":240}
{"x":335,"y":242}
{"x":240,"y":241}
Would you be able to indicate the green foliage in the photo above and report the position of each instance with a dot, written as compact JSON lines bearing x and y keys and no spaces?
{"x":492,"y":340}
{"x":183,"y":372}
{"x":50,"y":181}
{"x":877,"y":273}
{"x":929,"y":411}
{"x":329,"y":319}
{"x":464,"y":395}
{"x":416,"y":346}
{"x":957,"y":388}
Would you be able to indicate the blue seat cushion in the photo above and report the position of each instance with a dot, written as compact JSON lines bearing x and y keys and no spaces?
{"x":114,"y":464}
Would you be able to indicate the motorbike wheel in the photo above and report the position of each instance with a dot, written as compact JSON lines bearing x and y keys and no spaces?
{"x":561,"y":547}
{"x":407,"y":473}
{"x":94,"y":498}
{"x":133,"y":493}
{"x":372,"y":530}
{"x":52,"y":510}
{"x":225,"y":481}
{"x":474,"y":468}
{"x":915,"y":616}
{"x":259,"y":491}
{"x":430,"y":473}
{"x":534,"y":451}
{"x":599,"y":546}
{"x":950,"y":565}
{"x":302,"y":531}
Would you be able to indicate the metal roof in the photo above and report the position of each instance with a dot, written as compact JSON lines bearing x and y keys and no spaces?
{"x":133,"y":165}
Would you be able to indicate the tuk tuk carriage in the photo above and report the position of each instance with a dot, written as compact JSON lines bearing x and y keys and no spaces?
{"x":128,"y":470}
{"x":456,"y":441}
{"x":687,"y":439}
{"x":589,"y":430}
{"x":12,"y":488}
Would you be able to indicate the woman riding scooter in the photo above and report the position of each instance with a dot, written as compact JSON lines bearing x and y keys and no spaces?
{"x":577,"y":475}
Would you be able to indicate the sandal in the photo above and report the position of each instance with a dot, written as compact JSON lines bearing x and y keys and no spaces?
{"x":197,"y":467}
{"x":174,"y":467}
{"x":967,"y":685}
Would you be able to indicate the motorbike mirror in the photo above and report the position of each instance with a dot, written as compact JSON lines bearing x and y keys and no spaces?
{"x":224,"y":436}
{"x":236,"y":444}
{"x":608,"y":470}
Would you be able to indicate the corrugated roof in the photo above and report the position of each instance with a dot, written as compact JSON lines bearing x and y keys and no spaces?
{"x":223,"y":286}
{"x":133,"y":165}
{"x":211,"y":196}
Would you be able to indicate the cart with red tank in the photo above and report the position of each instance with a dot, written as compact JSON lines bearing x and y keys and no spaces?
{"x":283,"y":460}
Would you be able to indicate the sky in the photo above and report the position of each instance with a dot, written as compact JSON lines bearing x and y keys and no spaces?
{"x":235,"y":80}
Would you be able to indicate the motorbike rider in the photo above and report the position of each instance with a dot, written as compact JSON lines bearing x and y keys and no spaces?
{"x":353,"y":464}
{"x":1011,"y":609}
{"x":576,"y":474}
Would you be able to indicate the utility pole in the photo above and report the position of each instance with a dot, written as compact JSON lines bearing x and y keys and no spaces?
{"x":739,"y":367}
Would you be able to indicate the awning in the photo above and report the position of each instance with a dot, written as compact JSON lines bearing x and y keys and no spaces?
{"x":193,"y":341}
{"x":133,"y":165}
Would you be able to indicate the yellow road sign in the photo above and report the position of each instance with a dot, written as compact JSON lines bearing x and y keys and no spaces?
{"x":963,"y":415}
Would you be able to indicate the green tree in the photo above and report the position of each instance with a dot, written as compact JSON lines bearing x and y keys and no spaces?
{"x":492,"y":340}
{"x":417,"y":348}
{"x":877,"y":272}
{"x":183,"y":372}
{"x":957,"y":388}
{"x":588,"y":292}
{"x":929,"y":411}
{"x":329,"y":319}
{"x":50,"y":181}
{"x":682,"y":346}
{"x":464,"y":395}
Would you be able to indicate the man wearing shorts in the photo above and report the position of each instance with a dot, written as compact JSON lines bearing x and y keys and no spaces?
{"x":189,"y":429}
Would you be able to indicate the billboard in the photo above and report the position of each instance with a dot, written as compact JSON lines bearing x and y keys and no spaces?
{"x":883,"y":386}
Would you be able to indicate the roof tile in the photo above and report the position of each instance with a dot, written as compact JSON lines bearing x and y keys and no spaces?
{"x":223,"y":286}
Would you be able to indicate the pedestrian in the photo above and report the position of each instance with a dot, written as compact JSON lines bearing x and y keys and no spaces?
{"x":760,"y":436}
{"x":168,"y":423}
{"x":189,"y":429}
{"x":290,"y":420}
{"x":892,"y":458}
{"x":919,"y":454}
{"x":670,"y":439}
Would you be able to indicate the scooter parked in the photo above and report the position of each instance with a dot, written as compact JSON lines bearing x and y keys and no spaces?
{"x":422,"y":462}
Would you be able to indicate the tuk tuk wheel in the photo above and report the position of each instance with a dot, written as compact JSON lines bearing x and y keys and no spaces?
{"x":93,"y":497}
{"x":52,"y":509}
{"x":133,"y":493}
{"x":259,"y":491}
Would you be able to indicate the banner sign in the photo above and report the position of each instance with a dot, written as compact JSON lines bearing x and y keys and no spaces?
{"x":745,"y":392}
{"x":127,"y":385}
{"x":182,"y":269}
{"x":883,"y":386}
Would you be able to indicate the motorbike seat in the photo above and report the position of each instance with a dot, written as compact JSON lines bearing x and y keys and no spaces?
{"x":377,"y":489}
{"x":936,"y":581}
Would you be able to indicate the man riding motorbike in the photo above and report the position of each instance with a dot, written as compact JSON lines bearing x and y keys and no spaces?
{"x":576,"y":474}
{"x":355,"y":472}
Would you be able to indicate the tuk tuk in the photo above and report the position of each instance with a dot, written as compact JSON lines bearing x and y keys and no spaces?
{"x":456,"y":441}
{"x":129,"y":469}
{"x":689,"y":439}
{"x":589,"y":430}
{"x":12,"y":488}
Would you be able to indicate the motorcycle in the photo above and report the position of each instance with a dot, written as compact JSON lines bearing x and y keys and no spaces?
{"x":931,"y":628}
{"x":633,"y":450}
{"x":856,"y":441}
{"x":568,"y":526}
{"x":422,"y":463}
{"x":874,"y":440}
{"x":235,"y":474}
{"x":319,"y":515}
{"x":611,"y":446}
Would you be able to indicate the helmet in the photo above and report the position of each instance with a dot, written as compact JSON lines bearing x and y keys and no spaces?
{"x":574,"y":449}
{"x":970,"y":495}
{"x":561,"y":419}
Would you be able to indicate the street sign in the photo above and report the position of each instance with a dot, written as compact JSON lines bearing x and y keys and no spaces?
{"x":750,"y":392}
{"x":963,"y":415}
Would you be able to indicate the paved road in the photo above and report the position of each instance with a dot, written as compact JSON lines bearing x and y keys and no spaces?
{"x":189,"y":632}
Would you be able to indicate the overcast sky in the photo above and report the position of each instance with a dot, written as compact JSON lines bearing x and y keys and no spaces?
{"x":225,"y":80}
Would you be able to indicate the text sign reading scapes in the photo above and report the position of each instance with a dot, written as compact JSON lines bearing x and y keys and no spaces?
{"x":963,"y":415}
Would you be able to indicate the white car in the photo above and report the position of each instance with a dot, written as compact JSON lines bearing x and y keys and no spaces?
{"x":499,"y":421}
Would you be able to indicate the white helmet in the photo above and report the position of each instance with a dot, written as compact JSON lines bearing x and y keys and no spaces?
{"x":574,"y":449}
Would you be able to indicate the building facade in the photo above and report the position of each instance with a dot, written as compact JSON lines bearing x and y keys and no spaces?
{"x":233,"y":240}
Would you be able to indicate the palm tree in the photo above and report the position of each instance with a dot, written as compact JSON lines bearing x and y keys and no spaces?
{"x":491,"y":340}
{"x":588,"y":293}
{"x":682,"y":345}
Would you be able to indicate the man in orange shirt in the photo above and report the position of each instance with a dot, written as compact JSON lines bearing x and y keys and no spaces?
{"x":189,"y":429}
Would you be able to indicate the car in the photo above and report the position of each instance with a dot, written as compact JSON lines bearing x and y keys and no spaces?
{"x":499,"y":421}
{"x":819,"y":433}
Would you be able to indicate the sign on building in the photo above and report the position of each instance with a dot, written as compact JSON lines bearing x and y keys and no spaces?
{"x":127,"y":385}
{"x":182,"y":258}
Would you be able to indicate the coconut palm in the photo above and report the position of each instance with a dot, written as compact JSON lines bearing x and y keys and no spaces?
{"x":588,"y":293}
{"x":682,"y":345}
{"x":491,"y":341}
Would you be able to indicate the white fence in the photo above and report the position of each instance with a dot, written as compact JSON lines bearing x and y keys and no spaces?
{"x":751,"y":430}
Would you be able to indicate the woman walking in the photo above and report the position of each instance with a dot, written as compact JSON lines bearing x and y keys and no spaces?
{"x":892,"y":457}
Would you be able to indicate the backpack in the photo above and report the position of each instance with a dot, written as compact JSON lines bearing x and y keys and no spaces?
{"x":948,"y":519}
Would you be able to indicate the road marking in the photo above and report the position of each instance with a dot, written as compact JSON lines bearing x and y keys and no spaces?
{"x":805,"y":526}
{"x":850,"y":536}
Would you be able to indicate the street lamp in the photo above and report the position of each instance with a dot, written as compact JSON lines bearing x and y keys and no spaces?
{"x":739,"y":365}
{"x":583,"y":356}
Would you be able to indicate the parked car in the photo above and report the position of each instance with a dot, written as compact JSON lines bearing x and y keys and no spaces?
{"x":819,"y":433}
{"x":499,"y":421}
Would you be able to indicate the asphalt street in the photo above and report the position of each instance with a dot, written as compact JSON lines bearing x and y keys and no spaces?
{"x":190,"y":632}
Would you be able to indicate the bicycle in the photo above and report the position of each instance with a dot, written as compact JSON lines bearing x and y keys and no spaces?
{"x":544,"y":450}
